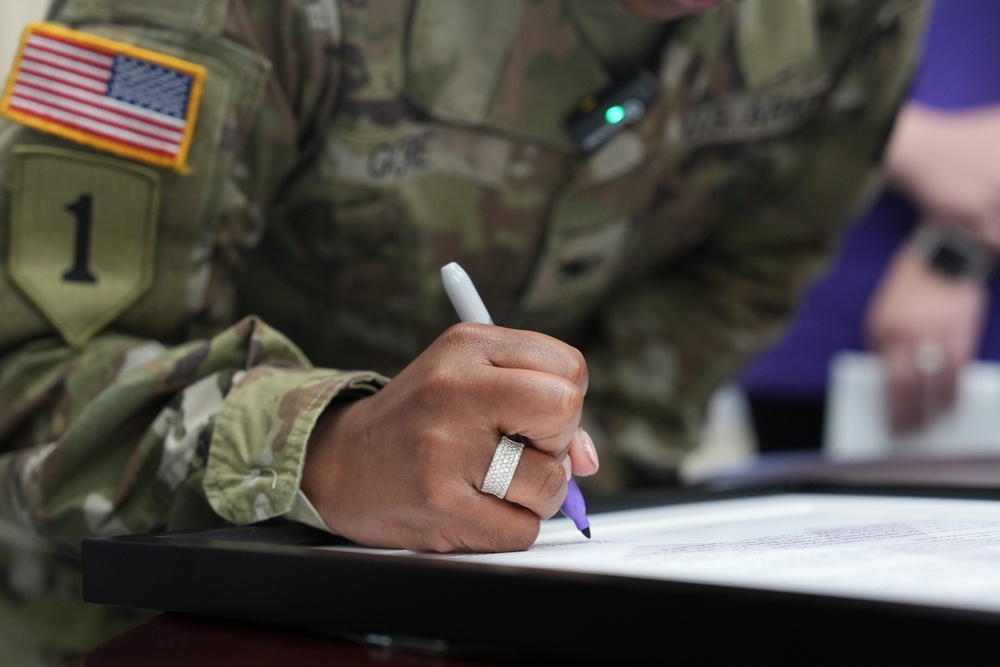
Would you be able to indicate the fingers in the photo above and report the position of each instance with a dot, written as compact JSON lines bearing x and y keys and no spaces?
{"x":543,"y":409}
{"x":922,"y":383}
{"x":526,"y":350}
{"x":480,"y":521}
{"x":538,"y":484}
{"x":583,"y":454}
{"x":902,"y":384}
{"x":487,"y":525}
{"x":502,"y":526}
{"x":523,"y":383}
{"x":539,"y":481}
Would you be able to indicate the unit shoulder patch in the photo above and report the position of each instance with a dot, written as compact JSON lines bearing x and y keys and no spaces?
{"x":110,"y":95}
{"x":82,"y":236}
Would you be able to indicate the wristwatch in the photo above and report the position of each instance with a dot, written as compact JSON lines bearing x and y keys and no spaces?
{"x":953,"y":253}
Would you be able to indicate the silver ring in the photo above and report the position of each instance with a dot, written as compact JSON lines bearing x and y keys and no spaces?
{"x":929,"y":357}
{"x":502,"y":467}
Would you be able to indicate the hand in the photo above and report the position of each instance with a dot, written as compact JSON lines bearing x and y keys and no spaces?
{"x":926,"y":327}
{"x":403,"y":467}
{"x":946,"y":163}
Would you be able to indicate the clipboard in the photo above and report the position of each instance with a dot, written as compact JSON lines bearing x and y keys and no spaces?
{"x":857,"y":426}
{"x":541,"y":610}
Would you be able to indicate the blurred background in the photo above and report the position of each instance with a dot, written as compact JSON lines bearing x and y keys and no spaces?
{"x":13,"y":16}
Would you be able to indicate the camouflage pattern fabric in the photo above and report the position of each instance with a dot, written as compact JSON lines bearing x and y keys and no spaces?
{"x":345,"y":151}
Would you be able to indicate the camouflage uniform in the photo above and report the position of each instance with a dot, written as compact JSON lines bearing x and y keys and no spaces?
{"x":343,"y":152}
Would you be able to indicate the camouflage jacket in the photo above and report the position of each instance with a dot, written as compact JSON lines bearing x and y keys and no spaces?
{"x":341,"y":153}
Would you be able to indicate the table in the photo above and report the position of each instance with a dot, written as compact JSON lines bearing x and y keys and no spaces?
{"x":171,"y":640}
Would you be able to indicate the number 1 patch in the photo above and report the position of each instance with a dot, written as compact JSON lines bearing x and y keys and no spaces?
{"x":82,"y":236}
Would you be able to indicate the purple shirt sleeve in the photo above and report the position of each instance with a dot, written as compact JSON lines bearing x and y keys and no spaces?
{"x":961,"y":67}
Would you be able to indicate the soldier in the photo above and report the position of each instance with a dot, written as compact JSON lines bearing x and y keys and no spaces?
{"x":223,"y":222}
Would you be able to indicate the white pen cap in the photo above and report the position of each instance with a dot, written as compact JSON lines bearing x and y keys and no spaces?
{"x":464,"y":297}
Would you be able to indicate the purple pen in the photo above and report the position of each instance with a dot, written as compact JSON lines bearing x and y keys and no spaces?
{"x":470,"y":308}
{"x":575,"y":509}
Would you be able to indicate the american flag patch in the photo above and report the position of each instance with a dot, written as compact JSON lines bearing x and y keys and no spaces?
{"x":106,"y":94}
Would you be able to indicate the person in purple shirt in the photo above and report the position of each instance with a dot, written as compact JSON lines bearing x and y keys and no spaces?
{"x":913,"y":278}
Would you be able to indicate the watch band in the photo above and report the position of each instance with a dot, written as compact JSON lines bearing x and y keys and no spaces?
{"x":953,"y":253}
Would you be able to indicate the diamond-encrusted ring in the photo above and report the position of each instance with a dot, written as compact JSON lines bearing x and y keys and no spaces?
{"x":502,"y":467}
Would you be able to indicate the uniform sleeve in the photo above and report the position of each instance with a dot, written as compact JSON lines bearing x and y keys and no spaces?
{"x":128,"y":399}
{"x":666,"y":343}
{"x":128,"y":435}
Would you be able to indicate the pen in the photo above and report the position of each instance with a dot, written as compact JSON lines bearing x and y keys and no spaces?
{"x":470,"y":308}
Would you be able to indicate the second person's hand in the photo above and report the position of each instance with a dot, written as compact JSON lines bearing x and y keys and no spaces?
{"x":926,"y":327}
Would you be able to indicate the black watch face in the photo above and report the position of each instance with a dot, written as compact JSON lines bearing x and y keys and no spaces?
{"x":949,"y":260}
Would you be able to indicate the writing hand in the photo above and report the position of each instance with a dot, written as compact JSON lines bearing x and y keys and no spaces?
{"x":403,"y":468}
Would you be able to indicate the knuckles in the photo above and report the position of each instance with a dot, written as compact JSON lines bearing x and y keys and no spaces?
{"x":467,"y":335}
{"x":478,"y":339}
{"x":567,"y":398}
{"x":577,"y":368}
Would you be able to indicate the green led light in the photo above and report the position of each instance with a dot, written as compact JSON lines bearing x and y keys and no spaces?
{"x":615,"y":114}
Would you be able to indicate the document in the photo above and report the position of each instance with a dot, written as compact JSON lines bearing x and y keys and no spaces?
{"x":938,"y":552}
{"x":857,"y":425}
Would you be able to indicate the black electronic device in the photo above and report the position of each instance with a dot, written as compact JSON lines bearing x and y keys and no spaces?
{"x":600,"y":117}
{"x":953,"y":253}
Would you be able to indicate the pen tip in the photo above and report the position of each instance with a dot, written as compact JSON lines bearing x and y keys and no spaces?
{"x":586,"y":531}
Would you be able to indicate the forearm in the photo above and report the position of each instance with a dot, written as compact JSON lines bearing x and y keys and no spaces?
{"x":120,"y":436}
{"x":944,"y":163}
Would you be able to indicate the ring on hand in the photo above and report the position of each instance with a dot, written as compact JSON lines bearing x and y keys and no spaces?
{"x":929,"y":357}
{"x":502,"y":467}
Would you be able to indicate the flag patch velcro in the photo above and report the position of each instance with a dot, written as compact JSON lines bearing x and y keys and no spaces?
{"x":110,"y":95}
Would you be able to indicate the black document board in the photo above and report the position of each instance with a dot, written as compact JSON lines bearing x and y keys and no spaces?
{"x":541,"y":612}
